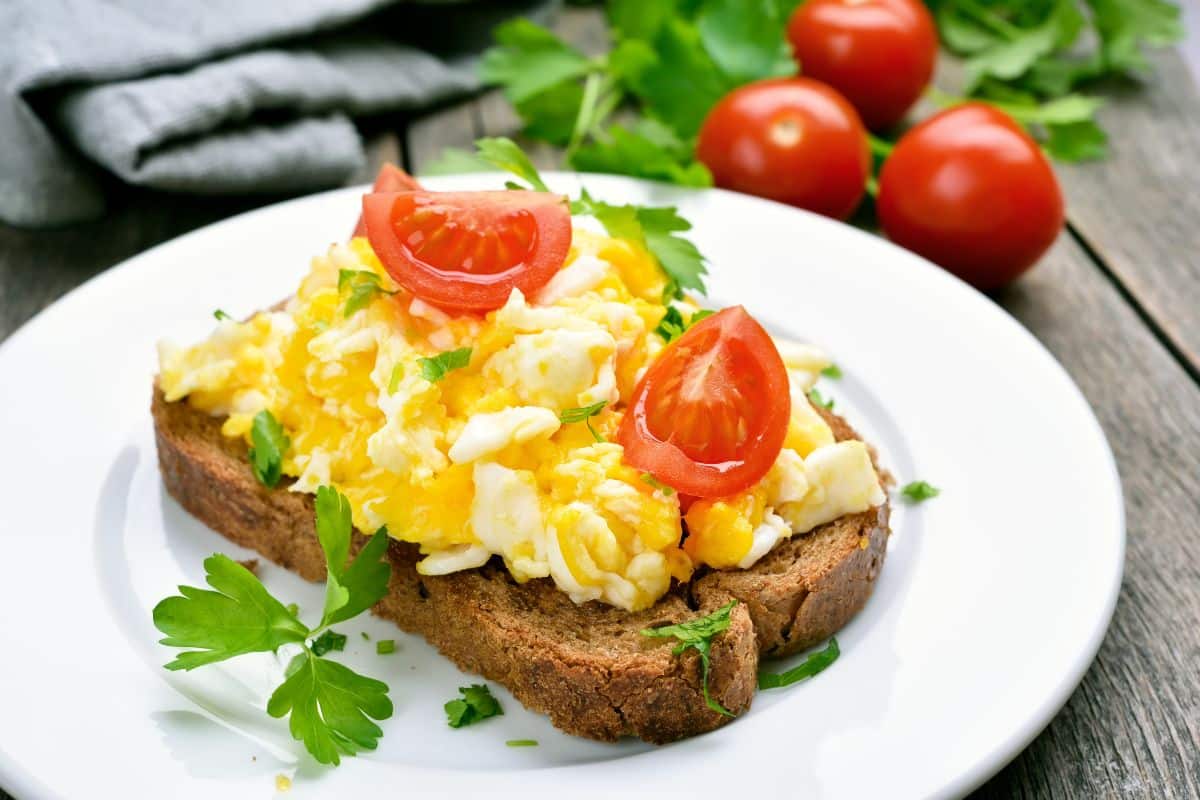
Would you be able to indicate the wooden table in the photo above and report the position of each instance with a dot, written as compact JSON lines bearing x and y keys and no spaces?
{"x":1117,"y":300}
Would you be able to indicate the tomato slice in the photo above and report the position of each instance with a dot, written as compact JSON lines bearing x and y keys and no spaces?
{"x":390,"y":179}
{"x":710,"y":415}
{"x":466,"y":251}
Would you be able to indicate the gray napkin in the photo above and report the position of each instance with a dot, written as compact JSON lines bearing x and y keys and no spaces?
{"x":212,"y":96}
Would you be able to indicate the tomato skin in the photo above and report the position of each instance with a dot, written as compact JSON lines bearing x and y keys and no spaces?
{"x":880,"y":54}
{"x":788,"y":139}
{"x":971,"y":191}
{"x":467,"y":251}
{"x":723,"y":378}
{"x":390,"y":179}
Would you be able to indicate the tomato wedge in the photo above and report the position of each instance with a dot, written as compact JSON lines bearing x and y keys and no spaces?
{"x":467,"y":251}
{"x":390,"y":179}
{"x":710,"y":415}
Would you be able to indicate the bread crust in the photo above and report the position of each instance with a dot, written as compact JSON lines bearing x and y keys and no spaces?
{"x":586,"y":666}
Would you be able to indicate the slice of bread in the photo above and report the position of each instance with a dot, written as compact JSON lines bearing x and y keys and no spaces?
{"x":587,"y":666}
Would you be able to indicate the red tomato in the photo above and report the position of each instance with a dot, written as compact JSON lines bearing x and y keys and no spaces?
{"x":880,"y":54}
{"x":969,"y":190}
{"x":710,"y":415}
{"x":390,"y":179}
{"x":466,"y":251}
{"x":788,"y":139}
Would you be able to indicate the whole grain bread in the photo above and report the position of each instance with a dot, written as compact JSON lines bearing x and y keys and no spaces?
{"x":586,"y":666}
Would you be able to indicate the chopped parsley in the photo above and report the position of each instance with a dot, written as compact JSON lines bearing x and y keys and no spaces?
{"x":327,"y":642}
{"x":583,"y":414}
{"x":269,"y":445}
{"x":221,"y":316}
{"x":815,"y":663}
{"x":819,"y":399}
{"x":293,"y":609}
{"x":832,"y":371}
{"x":361,"y":286}
{"x":919,"y":491}
{"x":330,"y":706}
{"x":475,"y":705}
{"x":435,"y":368}
{"x":697,"y":634}
{"x":385,"y":647}
{"x":672,"y":325}
{"x":657,"y":484}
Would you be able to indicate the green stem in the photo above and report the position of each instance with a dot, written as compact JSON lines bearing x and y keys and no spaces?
{"x":587,"y":108}
{"x":880,"y":147}
{"x":990,"y":19}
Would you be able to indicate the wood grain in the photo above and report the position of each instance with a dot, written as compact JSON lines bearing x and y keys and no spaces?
{"x":1139,"y":210}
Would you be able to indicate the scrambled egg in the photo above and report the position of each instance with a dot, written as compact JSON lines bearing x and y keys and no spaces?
{"x":479,"y":464}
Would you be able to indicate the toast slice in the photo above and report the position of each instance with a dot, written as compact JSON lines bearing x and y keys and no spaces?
{"x":586,"y":666}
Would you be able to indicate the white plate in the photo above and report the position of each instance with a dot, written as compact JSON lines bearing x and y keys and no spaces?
{"x":991,"y":605}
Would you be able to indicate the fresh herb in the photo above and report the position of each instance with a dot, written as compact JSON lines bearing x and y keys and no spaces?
{"x":396,"y":376}
{"x":293,"y":609}
{"x":815,"y":663}
{"x":583,"y":414}
{"x":385,"y":647}
{"x":522,"y":743}
{"x":657,"y":484}
{"x":819,"y":399}
{"x":435,"y":368}
{"x":697,"y":634}
{"x":919,"y":491}
{"x":832,"y":371}
{"x":221,"y":316}
{"x":328,"y":642}
{"x":655,"y":229}
{"x":362,"y":285}
{"x":269,"y":445}
{"x":672,"y":325}
{"x":331,"y":707}
{"x":475,"y":705}
{"x":366,"y":638}
{"x":505,"y":154}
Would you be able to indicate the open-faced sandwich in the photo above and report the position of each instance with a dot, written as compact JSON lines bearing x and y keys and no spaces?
{"x":595,"y":492}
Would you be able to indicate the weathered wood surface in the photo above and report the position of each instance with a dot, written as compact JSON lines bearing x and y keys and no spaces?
{"x":1122,"y":314}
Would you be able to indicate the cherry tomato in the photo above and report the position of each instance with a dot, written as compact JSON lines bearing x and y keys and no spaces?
{"x":880,"y":54}
{"x":710,"y":415}
{"x":969,"y":190}
{"x":390,"y":179}
{"x":789,"y":139}
{"x":467,"y":251}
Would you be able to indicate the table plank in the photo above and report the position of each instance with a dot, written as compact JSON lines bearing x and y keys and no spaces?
{"x":1139,"y":210}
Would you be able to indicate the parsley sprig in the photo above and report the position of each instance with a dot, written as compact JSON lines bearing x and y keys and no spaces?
{"x":475,"y":705}
{"x":919,"y":492}
{"x":434,"y":368}
{"x":698,"y":634}
{"x":360,"y":286}
{"x":330,"y":707}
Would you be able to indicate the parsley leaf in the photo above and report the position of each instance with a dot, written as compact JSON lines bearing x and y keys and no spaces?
{"x":221,"y":316}
{"x":697,"y":634}
{"x":682,"y":82}
{"x":475,"y":705}
{"x":454,"y":161}
{"x":331,"y":707}
{"x":385,"y":647}
{"x":328,"y":642}
{"x":815,"y":663}
{"x":820,"y":400}
{"x":269,"y":445}
{"x":1126,"y":25}
{"x":504,"y":154}
{"x":649,"y":151}
{"x":919,"y":491}
{"x":583,"y":414}
{"x":362,"y":285}
{"x":239,"y":617}
{"x":745,"y":38}
{"x":832,"y":371}
{"x":654,"y":229}
{"x":529,"y":60}
{"x":672,"y":325}
{"x":435,"y":368}
{"x":348,"y":590}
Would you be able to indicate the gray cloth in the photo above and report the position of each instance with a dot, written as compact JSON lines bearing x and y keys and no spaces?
{"x":211,"y":96}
